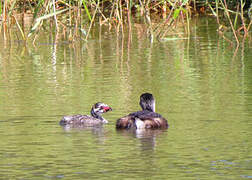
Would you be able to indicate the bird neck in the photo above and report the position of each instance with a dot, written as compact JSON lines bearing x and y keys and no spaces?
{"x":96,"y":115}
{"x":150,"y":106}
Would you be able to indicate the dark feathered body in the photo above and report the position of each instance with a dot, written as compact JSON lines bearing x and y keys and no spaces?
{"x":142,"y":119}
{"x":145,"y":119}
{"x":85,"y":120}
{"x":81,"y":120}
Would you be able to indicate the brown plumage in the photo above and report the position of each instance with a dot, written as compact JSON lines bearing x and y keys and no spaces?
{"x":145,"y":119}
{"x":81,"y":120}
{"x":86,"y":120}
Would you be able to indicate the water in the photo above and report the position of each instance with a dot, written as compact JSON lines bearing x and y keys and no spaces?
{"x":202,"y":86}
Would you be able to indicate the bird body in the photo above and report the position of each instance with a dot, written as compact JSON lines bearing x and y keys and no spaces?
{"x":87,"y":120}
{"x":145,"y":119}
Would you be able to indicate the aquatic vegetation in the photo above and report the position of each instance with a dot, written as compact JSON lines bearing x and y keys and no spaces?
{"x":235,"y":17}
{"x":76,"y":18}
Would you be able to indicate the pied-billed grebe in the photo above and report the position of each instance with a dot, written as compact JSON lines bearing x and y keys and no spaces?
{"x":145,"y":119}
{"x":86,"y":120}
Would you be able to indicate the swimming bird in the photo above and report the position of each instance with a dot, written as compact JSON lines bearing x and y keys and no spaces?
{"x":86,"y":120}
{"x":145,"y":119}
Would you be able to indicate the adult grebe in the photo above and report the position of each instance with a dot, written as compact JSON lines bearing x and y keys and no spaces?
{"x":86,"y":120}
{"x":145,"y":119}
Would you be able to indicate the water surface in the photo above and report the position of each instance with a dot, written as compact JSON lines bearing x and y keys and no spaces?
{"x":202,"y":85}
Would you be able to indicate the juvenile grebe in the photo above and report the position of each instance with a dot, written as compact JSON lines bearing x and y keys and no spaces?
{"x":86,"y":120}
{"x":145,"y":119}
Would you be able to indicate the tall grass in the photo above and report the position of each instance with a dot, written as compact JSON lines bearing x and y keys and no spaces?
{"x":77,"y":17}
{"x":235,"y":16}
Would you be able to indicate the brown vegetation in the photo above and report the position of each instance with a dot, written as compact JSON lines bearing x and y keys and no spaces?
{"x":74,"y":19}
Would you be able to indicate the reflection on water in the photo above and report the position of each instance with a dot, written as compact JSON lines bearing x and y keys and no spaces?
{"x":73,"y":127}
{"x":147,"y":137}
{"x":202,"y":86}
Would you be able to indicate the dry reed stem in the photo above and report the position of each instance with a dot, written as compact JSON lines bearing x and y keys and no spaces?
{"x":129,"y":21}
{"x":92,"y":21}
{"x":55,"y":18}
{"x":160,"y":36}
{"x":230,"y":22}
{"x":19,"y":27}
{"x":117,"y":12}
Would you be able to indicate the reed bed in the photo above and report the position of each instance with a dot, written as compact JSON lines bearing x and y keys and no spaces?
{"x":74,"y":19}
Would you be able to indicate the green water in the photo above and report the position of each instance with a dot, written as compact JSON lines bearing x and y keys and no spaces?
{"x":201,"y":85}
